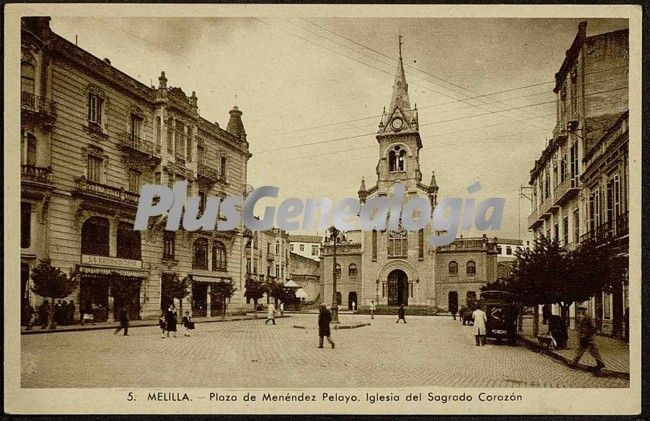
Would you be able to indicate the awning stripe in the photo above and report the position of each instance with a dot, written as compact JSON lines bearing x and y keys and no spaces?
{"x":211,"y":279}
{"x":93,"y":270}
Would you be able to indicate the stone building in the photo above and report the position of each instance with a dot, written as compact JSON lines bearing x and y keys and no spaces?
{"x":580,"y":181}
{"x":401,"y":267}
{"x":91,"y":137}
{"x":306,"y":245}
{"x":268,"y":256}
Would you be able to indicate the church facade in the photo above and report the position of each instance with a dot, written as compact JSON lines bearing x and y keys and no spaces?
{"x":400,"y":266}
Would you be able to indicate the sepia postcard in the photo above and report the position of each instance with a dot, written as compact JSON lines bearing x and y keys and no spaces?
{"x":345,"y":209}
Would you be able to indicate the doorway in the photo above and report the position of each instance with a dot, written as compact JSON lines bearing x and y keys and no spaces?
{"x":352,"y":300}
{"x":398,"y":288}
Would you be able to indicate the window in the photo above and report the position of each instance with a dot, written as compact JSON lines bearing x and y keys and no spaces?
{"x":94,"y":168}
{"x":29,"y":150}
{"x":158,"y":131}
{"x":594,"y":209}
{"x":453,"y":268}
{"x":556,"y":232}
{"x":203,"y":200}
{"x":556,"y":178}
{"x":277,"y":248}
{"x":499,"y":249}
{"x":94,"y":236}
{"x":574,"y":92}
{"x":200,"y":260}
{"x":314,"y":250}
{"x":509,"y":250}
{"x":573,"y":155}
{"x":277,"y":271}
{"x":170,"y":136}
{"x":224,"y":168}
{"x":576,"y":226}
{"x":471,"y":268}
{"x":302,"y":247}
{"x":396,"y":159}
{"x":547,"y":183}
{"x":25,"y":225}
{"x":199,"y":154}
{"x":374,"y":245}
{"x":352,"y":270}
{"x":134,"y":181}
{"x":291,"y":246}
{"x":136,"y":128}
{"x":398,"y":243}
{"x":268,"y":248}
{"x":337,"y":270}
{"x":27,"y":73}
{"x":128,"y":242}
{"x":219,"y":256}
{"x":565,"y":230}
{"x":188,"y":155}
{"x":563,"y":167}
{"x":169,"y":244}
{"x":421,"y":244}
{"x":95,"y":109}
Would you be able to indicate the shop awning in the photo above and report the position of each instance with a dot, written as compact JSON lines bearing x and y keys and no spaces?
{"x":211,"y":279}
{"x":98,"y":270}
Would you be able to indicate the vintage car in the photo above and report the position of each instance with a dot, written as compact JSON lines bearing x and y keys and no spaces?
{"x":502,"y":310}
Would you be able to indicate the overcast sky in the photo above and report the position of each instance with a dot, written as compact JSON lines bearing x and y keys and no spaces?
{"x":325,"y":81}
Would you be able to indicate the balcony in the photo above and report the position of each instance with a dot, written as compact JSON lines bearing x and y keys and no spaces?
{"x":138,"y":147}
{"x":179,"y":158}
{"x":33,"y":106}
{"x":35,"y":174}
{"x":534,"y":219}
{"x":207,"y":174}
{"x":101,"y":194}
{"x":545,"y":207}
{"x":559,"y":131}
{"x":565,"y":191}
{"x":609,"y":231}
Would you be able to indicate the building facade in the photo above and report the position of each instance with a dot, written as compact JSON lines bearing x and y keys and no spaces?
{"x":268,"y":256}
{"x":307,"y":274}
{"x":91,"y":137}
{"x":400,"y":267}
{"x":574,"y":193}
{"x":306,"y":245}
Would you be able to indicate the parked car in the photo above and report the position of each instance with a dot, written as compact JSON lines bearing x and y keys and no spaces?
{"x":502,"y":310}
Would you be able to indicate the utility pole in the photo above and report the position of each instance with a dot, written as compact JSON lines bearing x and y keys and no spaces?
{"x":524,"y":192}
{"x":334,"y":236}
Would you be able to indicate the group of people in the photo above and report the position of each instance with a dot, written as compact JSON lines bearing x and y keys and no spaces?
{"x":169,"y":320}
{"x":63,"y":314}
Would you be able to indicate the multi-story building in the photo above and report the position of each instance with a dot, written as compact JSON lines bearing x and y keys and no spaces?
{"x":306,"y":245}
{"x":571,"y":196}
{"x":400,"y":266}
{"x":91,"y":136}
{"x":268,"y":256}
{"x":306,"y":272}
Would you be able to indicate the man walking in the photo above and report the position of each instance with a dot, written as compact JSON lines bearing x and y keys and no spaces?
{"x":480,"y":318}
{"x":270,"y":317}
{"x":401,"y":313}
{"x":324,"y":319}
{"x":453,"y":309}
{"x":123,"y":316}
{"x":586,"y":330}
{"x":372,"y":309}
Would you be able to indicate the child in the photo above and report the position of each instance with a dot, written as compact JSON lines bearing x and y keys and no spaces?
{"x":187,"y":323}
{"x":162,"y":324}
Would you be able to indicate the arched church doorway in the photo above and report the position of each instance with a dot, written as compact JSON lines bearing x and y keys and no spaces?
{"x":398,"y":288}
{"x":352,"y":300}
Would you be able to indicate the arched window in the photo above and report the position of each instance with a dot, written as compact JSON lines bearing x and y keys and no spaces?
{"x":396,"y":159}
{"x":27,"y":74}
{"x":337,"y":270}
{"x":453,"y":268}
{"x":94,"y":236}
{"x":352,"y":270}
{"x":398,"y":243}
{"x":128,"y":242}
{"x":471,"y":268}
{"x":219,"y":256}
{"x":200,"y":260}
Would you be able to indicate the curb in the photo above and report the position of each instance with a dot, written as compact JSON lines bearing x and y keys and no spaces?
{"x":336,"y":327}
{"x":604,"y":373}
{"x":132,"y":326}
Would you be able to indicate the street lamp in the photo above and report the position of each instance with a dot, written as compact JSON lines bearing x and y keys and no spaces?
{"x":334,"y":235}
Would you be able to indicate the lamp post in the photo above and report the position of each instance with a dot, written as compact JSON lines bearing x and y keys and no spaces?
{"x":334,"y":235}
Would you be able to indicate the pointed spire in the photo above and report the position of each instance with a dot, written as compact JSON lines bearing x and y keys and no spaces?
{"x":400,"y":96}
{"x":362,"y":191}
{"x":363,"y":184}
{"x":433,"y":185}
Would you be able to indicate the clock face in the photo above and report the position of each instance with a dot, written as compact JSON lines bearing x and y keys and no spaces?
{"x":397,"y":123}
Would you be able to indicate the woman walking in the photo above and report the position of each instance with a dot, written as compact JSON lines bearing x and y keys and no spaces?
{"x":171,"y":320}
{"x":324,"y":319}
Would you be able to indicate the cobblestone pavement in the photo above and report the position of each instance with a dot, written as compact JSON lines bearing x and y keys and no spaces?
{"x":428,"y":351}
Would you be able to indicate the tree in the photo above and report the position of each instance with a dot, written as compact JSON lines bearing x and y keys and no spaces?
{"x":281,"y":293}
{"x":220,"y":292}
{"x":177,"y":288}
{"x":254,"y":291}
{"x":51,"y":282}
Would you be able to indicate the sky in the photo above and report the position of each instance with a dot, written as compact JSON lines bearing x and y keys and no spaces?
{"x":312,"y":91}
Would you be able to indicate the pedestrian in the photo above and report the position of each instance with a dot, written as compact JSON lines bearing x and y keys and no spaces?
{"x":171,"y":319}
{"x":187,"y":323}
{"x":324,"y":319}
{"x":163,"y":324}
{"x":70,"y":313}
{"x":453,"y":309}
{"x":44,"y":313}
{"x":59,"y":312}
{"x":27,"y":314}
{"x":282,"y":308}
{"x":123,"y":316}
{"x":546,"y":313}
{"x":372,"y":309}
{"x":401,"y":313}
{"x":270,"y":316}
{"x":480,"y":318}
{"x":586,"y":331}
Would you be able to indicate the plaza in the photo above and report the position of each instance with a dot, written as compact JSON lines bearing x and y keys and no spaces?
{"x":427,"y":351}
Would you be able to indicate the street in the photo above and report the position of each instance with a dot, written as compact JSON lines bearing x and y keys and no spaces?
{"x":428,"y":351}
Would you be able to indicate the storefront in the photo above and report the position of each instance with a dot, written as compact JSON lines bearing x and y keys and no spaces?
{"x":205,"y":300}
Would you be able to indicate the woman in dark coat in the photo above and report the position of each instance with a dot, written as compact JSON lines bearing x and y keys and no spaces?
{"x":171,"y":320}
{"x":324,"y":319}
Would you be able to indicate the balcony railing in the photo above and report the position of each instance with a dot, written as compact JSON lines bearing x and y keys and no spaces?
{"x":103,"y":191}
{"x":136,"y":143}
{"x":208,"y":173}
{"x":34,"y":173}
{"x":37,"y":104}
{"x":180,"y":158}
{"x":565,"y":190}
{"x":608,"y":231}
{"x":534,"y":219}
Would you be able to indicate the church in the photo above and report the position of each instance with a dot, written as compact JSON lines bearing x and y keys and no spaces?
{"x":400,"y":267}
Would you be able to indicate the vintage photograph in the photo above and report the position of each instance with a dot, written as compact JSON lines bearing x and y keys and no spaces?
{"x":325,"y":202}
